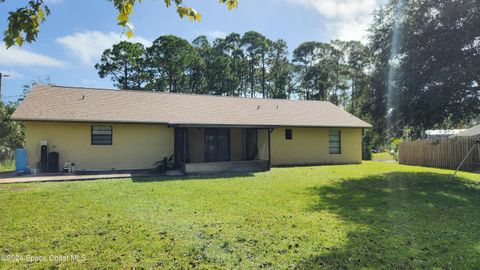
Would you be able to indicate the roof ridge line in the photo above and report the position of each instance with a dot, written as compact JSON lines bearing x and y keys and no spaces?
{"x":182,"y":94}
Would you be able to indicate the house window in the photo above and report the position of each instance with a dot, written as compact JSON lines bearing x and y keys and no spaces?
{"x":101,"y":135}
{"x":288,"y":134}
{"x":335,"y":144}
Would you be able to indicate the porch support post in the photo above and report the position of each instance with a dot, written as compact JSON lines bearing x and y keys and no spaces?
{"x":270,"y":130}
{"x":185,"y":144}
{"x":176,"y":147}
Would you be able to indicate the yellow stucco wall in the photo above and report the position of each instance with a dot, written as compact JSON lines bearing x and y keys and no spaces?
{"x":134,"y":146}
{"x":311,"y":146}
{"x":138,"y":146}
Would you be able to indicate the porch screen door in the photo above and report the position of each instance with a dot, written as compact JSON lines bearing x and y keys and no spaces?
{"x":210,"y":145}
{"x":181,"y":153}
{"x":217,"y":144}
{"x":223,"y":144}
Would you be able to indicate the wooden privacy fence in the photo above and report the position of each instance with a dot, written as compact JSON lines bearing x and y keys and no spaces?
{"x":443,"y":153}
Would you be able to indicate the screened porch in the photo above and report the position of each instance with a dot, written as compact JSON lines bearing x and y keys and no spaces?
{"x":222,"y":149}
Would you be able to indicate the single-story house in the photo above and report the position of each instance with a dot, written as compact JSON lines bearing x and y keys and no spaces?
{"x":100,"y":129}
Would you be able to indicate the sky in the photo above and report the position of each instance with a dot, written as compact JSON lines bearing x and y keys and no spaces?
{"x":76,"y":33}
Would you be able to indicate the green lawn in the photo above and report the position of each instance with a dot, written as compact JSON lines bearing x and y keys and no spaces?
{"x":374,"y":215}
{"x":7,"y":166}
{"x":383,"y":156}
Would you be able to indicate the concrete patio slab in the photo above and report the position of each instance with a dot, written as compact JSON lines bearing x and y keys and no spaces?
{"x":4,"y":179}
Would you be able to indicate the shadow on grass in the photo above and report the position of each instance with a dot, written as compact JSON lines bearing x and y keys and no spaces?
{"x":147,"y":179}
{"x":402,"y":221}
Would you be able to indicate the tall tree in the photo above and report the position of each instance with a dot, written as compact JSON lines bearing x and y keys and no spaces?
{"x":432,"y":52}
{"x":280,"y":69}
{"x":306,"y":54}
{"x":256,"y":47}
{"x":217,"y":67}
{"x":338,"y":58}
{"x":311,"y":57}
{"x":201,"y":65}
{"x":320,"y":79}
{"x":228,"y":65}
{"x":168,"y":59}
{"x":125,"y":64}
{"x":358,"y":65}
{"x":232,"y":46}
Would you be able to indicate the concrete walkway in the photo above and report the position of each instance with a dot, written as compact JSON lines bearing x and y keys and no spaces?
{"x":4,"y":179}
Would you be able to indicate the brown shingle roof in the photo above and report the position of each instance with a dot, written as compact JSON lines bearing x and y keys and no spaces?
{"x":74,"y":104}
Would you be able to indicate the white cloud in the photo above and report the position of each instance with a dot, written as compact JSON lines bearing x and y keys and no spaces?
{"x":347,"y":19}
{"x":216,"y":34}
{"x":15,"y":56}
{"x":12,"y":74}
{"x":88,"y":46}
{"x":355,"y":29}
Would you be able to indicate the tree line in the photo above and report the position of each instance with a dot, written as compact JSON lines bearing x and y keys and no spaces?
{"x":248,"y":65}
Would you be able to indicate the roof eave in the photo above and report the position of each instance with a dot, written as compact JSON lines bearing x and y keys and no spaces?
{"x":25,"y":119}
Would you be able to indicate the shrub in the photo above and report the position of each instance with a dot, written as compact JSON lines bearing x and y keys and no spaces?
{"x":11,"y":133}
{"x":165,"y":164}
{"x":394,"y":146}
{"x":367,"y":146}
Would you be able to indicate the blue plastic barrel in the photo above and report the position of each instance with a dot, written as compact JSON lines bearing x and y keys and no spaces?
{"x":21,"y":160}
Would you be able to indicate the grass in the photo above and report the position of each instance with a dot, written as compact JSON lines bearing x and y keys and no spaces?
{"x":373,"y":215}
{"x":7,"y":166}
{"x":382,"y":156}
